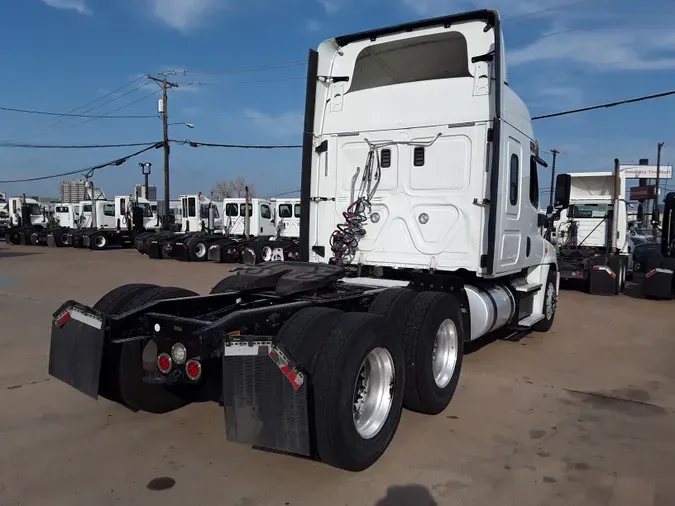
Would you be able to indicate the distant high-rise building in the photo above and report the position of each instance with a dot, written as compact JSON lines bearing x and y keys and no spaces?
{"x":139,"y":191}
{"x":73,"y":191}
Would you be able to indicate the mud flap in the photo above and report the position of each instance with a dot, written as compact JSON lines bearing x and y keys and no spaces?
{"x":76,"y":348}
{"x":262,"y":406}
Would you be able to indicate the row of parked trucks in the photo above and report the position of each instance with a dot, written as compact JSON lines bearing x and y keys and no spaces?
{"x":235,"y":230}
{"x":258,"y":227}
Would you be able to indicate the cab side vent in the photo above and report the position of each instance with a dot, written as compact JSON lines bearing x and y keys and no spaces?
{"x":418,"y":157}
{"x":385,"y":158}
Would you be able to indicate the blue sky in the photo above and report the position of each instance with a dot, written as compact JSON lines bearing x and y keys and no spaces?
{"x":60,"y":54}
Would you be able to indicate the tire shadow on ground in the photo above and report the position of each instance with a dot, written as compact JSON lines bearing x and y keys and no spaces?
{"x":407,"y":495}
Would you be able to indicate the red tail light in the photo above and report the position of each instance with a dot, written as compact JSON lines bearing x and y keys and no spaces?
{"x":164,"y":362}
{"x":193,"y":369}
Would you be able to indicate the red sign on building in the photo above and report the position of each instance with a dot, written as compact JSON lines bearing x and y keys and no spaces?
{"x":642,"y":192}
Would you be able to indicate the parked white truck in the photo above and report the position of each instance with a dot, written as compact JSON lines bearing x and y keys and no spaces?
{"x":195,"y":211}
{"x":419,"y":233}
{"x":584,"y":234}
{"x":260,"y":216}
{"x":287,"y":217}
{"x":25,"y":212}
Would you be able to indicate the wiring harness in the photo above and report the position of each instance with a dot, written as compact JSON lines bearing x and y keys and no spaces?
{"x":345,"y":239}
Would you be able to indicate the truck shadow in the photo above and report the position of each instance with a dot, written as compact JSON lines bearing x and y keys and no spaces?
{"x":17,"y":254}
{"x":407,"y":495}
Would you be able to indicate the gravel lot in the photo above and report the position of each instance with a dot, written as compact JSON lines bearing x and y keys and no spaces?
{"x":584,"y":415}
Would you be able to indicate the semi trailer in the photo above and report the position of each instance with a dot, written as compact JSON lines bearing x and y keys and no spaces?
{"x":419,"y":233}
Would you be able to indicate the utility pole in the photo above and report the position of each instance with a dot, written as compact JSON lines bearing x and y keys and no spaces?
{"x":617,"y":202}
{"x":164,"y":110}
{"x":552,"y":196}
{"x":655,"y":212}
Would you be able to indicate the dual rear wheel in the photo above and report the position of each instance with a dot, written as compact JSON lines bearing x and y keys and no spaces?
{"x":363,"y":368}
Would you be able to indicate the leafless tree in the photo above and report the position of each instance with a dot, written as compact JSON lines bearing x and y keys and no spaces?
{"x":232,"y":188}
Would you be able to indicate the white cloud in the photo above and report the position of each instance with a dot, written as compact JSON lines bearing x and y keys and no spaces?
{"x":312,"y":25}
{"x":76,"y":5}
{"x":281,"y":125}
{"x":571,"y":95}
{"x":610,"y":49}
{"x":331,"y":6}
{"x":184,"y":15}
{"x":505,"y":7}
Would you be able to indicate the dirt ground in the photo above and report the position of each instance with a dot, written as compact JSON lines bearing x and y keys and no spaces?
{"x":584,"y":415}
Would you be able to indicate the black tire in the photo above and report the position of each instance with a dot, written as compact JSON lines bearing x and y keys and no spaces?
{"x":304,"y":334}
{"x":428,"y":312}
{"x":395,"y":305}
{"x":336,"y":373}
{"x":134,"y":392}
{"x":231,"y":282}
{"x":115,"y":302}
{"x":198,"y":250}
{"x":546,"y":324}
{"x":99,"y":242}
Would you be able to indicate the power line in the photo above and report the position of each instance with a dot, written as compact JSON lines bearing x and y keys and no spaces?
{"x":198,"y":83}
{"x":65,"y":114}
{"x":550,"y":9}
{"x":72,"y":146}
{"x":116,"y":162}
{"x":290,"y":192}
{"x":106,"y":115}
{"x":76,"y":109}
{"x":607,"y":105}
{"x":114,"y":99}
{"x":196,"y":144}
{"x":259,"y":68}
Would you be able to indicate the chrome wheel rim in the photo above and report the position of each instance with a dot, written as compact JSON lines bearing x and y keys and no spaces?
{"x":444,"y":355}
{"x":267,"y":254}
{"x":200,"y":250}
{"x":373,"y":393}
{"x":99,"y":241}
{"x":550,"y":301}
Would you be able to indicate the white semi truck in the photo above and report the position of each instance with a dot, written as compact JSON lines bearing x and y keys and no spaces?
{"x":20,"y":217}
{"x":25,"y":212}
{"x":584,"y":234}
{"x":419,"y":233}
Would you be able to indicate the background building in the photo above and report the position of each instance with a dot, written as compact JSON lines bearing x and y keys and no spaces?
{"x":139,"y":192}
{"x":75,"y":191}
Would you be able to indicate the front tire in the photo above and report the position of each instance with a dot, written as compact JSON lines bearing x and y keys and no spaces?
{"x":99,"y":242}
{"x":198,"y":250}
{"x":550,"y":305}
{"x":433,"y":339}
